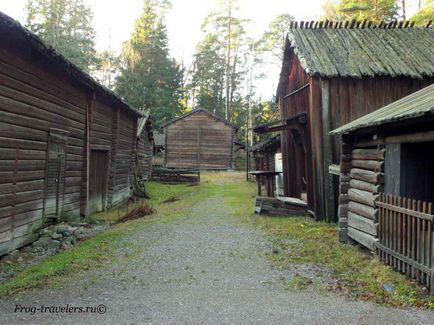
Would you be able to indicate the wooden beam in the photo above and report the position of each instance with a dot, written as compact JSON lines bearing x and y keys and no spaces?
{"x":296,"y":91}
{"x":403,"y":138}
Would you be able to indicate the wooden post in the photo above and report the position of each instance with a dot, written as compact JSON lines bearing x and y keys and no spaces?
{"x":329,"y":190}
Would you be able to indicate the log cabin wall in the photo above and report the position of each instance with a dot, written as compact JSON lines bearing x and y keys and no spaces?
{"x":35,"y":101}
{"x":53,"y":118}
{"x":145,"y":146}
{"x":199,"y":140}
{"x":123,"y":169}
{"x":361,"y":181}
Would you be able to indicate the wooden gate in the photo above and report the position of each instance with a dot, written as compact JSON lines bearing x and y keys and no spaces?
{"x":98,"y":180}
{"x":55,"y":176}
{"x":405,"y":237}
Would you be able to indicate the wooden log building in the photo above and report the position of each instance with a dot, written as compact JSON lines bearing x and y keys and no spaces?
{"x":66,"y":142}
{"x":387,"y":183}
{"x":333,"y":73}
{"x":199,"y":139}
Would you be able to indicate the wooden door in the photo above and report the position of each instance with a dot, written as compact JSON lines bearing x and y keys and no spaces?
{"x":98,"y":180}
{"x":55,"y":179}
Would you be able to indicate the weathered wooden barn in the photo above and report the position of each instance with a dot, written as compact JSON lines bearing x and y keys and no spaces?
{"x":199,"y":139}
{"x":66,"y":142}
{"x":333,"y":73}
{"x":387,"y":183}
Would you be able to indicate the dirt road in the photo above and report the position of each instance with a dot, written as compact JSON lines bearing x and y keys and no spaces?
{"x":205,"y":267}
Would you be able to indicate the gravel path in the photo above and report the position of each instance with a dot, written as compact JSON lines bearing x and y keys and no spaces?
{"x":203,"y":268}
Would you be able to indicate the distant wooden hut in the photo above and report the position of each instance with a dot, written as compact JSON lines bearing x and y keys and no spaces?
{"x":387,"y":184}
{"x":199,"y":139}
{"x":66,"y":142}
{"x":333,"y":73}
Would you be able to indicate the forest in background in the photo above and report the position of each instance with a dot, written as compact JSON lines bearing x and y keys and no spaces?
{"x":226,"y":65}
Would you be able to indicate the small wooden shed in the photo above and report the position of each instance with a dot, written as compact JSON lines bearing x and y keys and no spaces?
{"x":333,"y":73}
{"x":199,"y":139}
{"x":387,"y":183}
{"x":144,"y":154}
{"x":66,"y":142}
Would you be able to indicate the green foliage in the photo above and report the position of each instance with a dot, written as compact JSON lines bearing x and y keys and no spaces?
{"x":271,"y":45}
{"x":372,"y":10}
{"x":220,"y":63}
{"x":424,"y":14}
{"x":67,"y":26}
{"x":149,"y":79}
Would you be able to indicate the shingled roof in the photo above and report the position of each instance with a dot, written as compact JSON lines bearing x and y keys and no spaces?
{"x":417,"y":104}
{"x":362,"y":49}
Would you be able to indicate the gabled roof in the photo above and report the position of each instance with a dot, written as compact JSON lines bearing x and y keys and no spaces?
{"x":12,"y":31}
{"x":358,"y":50}
{"x":415,"y":105}
{"x":197,"y":110}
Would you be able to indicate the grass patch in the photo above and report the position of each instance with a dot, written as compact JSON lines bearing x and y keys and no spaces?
{"x":298,"y":282}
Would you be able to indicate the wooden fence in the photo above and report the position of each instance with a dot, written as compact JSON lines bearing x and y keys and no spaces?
{"x":405,"y":237}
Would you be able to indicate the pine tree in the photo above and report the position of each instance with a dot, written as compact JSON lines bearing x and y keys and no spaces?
{"x":149,"y":79}
{"x":373,"y":10}
{"x":67,"y":26}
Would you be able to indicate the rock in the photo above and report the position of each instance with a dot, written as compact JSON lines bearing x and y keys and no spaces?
{"x":67,"y":233}
{"x":61,"y":228}
{"x":389,"y":287}
{"x":56,"y":236}
{"x":65,"y":245}
{"x":13,"y":255}
{"x":46,"y":232}
{"x":47,"y":243}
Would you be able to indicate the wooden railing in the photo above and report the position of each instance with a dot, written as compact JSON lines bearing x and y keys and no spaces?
{"x":405,"y":237}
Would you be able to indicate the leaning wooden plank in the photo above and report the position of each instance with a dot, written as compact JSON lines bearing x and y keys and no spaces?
{"x":367,"y":176}
{"x":363,"y":210}
{"x":363,"y":197}
{"x":292,"y":200}
{"x":368,"y":154}
{"x":368,"y":164}
{"x":362,"y":238}
{"x":361,"y":223}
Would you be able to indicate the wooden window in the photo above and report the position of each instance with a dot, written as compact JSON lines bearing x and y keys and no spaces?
{"x":55,"y":174}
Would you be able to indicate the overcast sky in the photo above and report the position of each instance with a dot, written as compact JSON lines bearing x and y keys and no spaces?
{"x":114,"y":20}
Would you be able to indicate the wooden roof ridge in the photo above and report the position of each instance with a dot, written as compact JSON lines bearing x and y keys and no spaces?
{"x":10,"y":28}
{"x":197,"y":110}
{"x":355,"y":24}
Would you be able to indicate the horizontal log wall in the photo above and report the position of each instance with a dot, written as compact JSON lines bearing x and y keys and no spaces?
{"x":144,"y":151}
{"x":199,"y":141}
{"x":123,"y":168}
{"x":32,"y":101}
{"x":366,"y":178}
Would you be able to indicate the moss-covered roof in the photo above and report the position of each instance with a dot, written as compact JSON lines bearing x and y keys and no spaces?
{"x":417,"y":104}
{"x":363,"y":49}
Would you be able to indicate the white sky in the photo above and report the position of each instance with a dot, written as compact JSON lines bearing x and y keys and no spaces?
{"x":114,"y":19}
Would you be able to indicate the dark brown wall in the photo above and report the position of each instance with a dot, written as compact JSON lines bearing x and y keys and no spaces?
{"x":33,"y":100}
{"x":199,"y":133}
{"x":293,"y":151}
{"x":144,"y":151}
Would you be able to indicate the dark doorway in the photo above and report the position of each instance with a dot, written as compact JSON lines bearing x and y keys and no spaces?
{"x":98,"y":180}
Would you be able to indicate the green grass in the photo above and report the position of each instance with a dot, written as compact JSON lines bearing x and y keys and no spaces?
{"x":297,"y":239}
